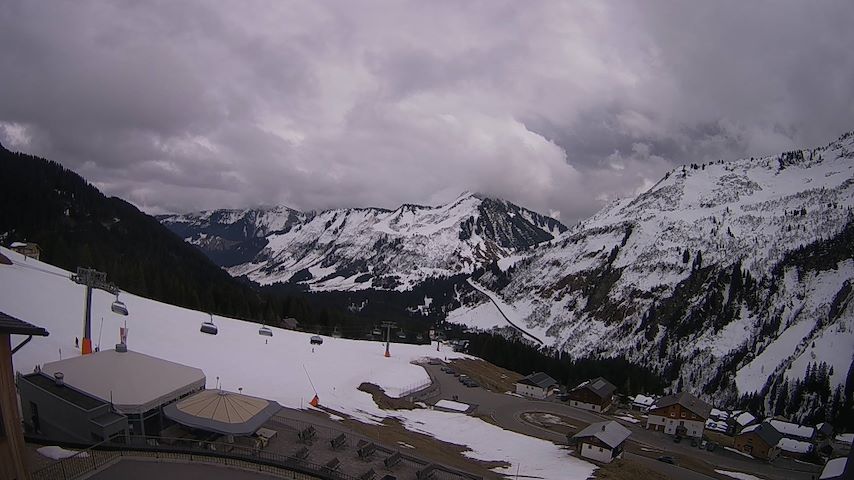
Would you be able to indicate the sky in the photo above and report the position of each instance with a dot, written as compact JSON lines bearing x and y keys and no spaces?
{"x":556,"y":106}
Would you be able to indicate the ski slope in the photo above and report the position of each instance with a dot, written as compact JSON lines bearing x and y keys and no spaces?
{"x":276,"y":368}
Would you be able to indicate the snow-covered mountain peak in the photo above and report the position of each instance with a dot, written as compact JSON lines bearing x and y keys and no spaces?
{"x":356,"y":248}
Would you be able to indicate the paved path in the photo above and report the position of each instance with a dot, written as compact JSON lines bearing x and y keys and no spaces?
{"x":506,"y":410}
{"x":491,"y":296}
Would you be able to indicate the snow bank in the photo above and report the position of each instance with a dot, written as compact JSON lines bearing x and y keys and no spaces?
{"x":58,"y":453}
{"x":845,"y":438}
{"x":738,"y":475}
{"x":452,"y":405}
{"x":535,"y":458}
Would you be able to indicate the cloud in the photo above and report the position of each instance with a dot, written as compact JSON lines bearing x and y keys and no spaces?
{"x":180,"y":106}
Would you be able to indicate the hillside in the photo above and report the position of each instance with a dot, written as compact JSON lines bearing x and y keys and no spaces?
{"x":285,"y":367}
{"x":76,"y":225}
{"x":729,"y":278}
{"x":364,"y":248}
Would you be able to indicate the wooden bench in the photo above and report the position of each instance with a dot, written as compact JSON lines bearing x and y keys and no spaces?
{"x":300,"y":454}
{"x":338,"y":442}
{"x":369,"y":475}
{"x":366,"y":450}
{"x":426,"y":472}
{"x":392,"y":460}
{"x":332,"y":465}
{"x":306,"y":435}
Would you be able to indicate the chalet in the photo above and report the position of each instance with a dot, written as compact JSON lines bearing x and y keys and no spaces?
{"x":13,"y":450}
{"x":26,"y":249}
{"x":595,"y":395}
{"x":602,"y":441}
{"x":535,"y":385}
{"x":680,"y":414}
{"x":760,"y":440}
{"x":740,"y":419}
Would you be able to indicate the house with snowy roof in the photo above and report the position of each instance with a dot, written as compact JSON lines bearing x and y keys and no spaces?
{"x":760,"y":440}
{"x":794,"y":431}
{"x":641,"y":402}
{"x":595,"y":395}
{"x":740,"y":419}
{"x":837,"y":469}
{"x":681,"y":414}
{"x":27,"y":249}
{"x":602,"y":441}
{"x":535,"y":385}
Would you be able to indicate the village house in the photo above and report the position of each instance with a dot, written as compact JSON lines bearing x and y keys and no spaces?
{"x":641,"y":402}
{"x":759,"y":440}
{"x":594,"y":395}
{"x":837,"y":469}
{"x":602,"y":441}
{"x":740,"y":419}
{"x":681,"y":414}
{"x":535,"y":385}
{"x":26,"y":249}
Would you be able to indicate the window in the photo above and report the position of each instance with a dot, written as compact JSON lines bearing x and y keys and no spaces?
{"x":683,"y":414}
{"x":672,"y":414}
{"x":589,"y":447}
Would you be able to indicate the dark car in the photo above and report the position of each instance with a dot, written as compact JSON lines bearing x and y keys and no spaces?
{"x":677,"y":439}
{"x":667,"y":460}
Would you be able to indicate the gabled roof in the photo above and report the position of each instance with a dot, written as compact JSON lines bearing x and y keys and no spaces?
{"x":766,"y":432}
{"x":687,"y":400}
{"x":12,"y":325}
{"x":790,"y":429}
{"x":611,"y":433}
{"x":599,"y":386}
{"x":538,"y":379}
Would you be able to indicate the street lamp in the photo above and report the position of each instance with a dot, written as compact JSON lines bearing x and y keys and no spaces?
{"x":92,"y":278}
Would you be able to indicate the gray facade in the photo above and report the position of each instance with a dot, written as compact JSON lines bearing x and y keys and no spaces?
{"x":64,"y":413}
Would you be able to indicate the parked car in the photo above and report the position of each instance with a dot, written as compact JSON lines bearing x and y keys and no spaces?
{"x":316,"y":340}
{"x":471,"y":384}
{"x":711,"y":446}
{"x":693,"y":442}
{"x":667,"y":460}
{"x":677,"y":439}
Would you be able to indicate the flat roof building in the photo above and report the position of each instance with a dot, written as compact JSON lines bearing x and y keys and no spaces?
{"x":223,"y":412}
{"x":131,"y":384}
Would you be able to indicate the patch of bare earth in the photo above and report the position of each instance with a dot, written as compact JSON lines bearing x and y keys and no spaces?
{"x":392,"y":433}
{"x":489,"y":376}
{"x":622,"y":469}
{"x":554,"y":422}
{"x":384,"y":401}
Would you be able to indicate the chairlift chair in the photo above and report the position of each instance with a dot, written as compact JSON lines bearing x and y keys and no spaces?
{"x":209,"y":327}
{"x":119,"y":307}
{"x":265,"y":331}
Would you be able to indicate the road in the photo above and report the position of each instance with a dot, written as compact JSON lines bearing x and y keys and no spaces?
{"x":506,"y":411}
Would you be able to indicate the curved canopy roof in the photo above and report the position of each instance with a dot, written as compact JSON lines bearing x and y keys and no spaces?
{"x":223,"y":412}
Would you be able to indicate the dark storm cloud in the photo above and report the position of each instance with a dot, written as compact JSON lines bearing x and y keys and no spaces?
{"x":557,"y":106}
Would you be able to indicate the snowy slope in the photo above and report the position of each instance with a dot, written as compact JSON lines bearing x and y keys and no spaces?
{"x":358,"y":248}
{"x":44,"y":295}
{"x":703,"y":271}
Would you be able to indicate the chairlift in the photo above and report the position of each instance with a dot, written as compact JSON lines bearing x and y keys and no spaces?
{"x":209,"y":327}
{"x":119,"y":307}
{"x":376,"y":332}
{"x":265,"y":331}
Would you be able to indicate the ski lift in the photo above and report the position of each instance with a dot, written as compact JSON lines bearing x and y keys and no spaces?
{"x":377,"y":332}
{"x":209,"y":327}
{"x":265,"y":331}
{"x":119,"y":307}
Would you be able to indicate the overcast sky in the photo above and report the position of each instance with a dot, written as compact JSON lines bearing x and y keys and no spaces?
{"x":557,"y":106}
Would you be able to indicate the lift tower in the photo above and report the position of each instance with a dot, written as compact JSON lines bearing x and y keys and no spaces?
{"x":92,"y":278}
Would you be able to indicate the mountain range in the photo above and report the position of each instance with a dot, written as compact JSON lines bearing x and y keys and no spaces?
{"x":361,"y":248}
{"x":730,"y":278}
